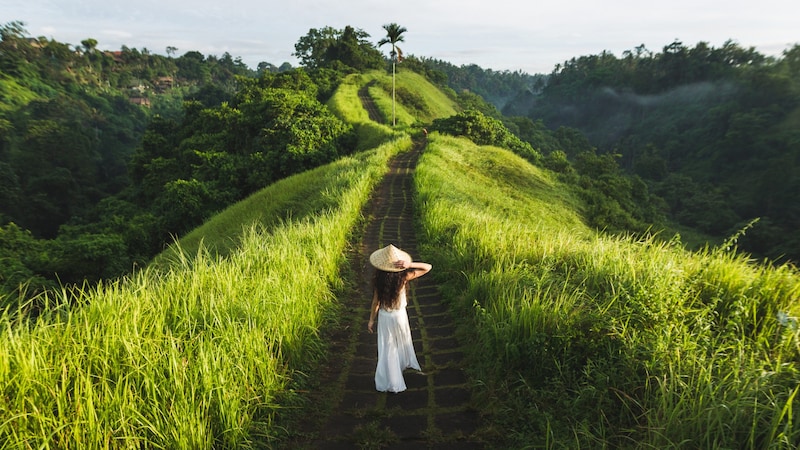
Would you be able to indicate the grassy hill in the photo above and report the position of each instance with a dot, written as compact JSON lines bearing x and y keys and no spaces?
{"x":588,"y":340}
{"x":313,"y":192}
{"x":595,"y":341}
{"x":201,"y":348}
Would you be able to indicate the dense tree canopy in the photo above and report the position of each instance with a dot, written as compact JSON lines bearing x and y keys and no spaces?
{"x":105,"y":155}
{"x":496,"y":87}
{"x":712,"y":130}
{"x":331,"y":48}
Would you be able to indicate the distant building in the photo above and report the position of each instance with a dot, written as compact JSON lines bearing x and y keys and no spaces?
{"x":163,"y":83}
{"x":143,"y":101}
{"x":117,"y":56}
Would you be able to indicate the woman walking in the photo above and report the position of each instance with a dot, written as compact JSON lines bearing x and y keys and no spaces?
{"x":393,"y":270}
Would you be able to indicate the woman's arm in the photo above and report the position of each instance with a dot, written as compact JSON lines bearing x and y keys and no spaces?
{"x":419,"y":268}
{"x":373,"y":311}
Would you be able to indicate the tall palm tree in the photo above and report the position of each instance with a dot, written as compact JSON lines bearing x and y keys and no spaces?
{"x":394,"y":34}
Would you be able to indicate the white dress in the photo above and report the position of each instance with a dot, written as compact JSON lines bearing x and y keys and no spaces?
{"x":395,"y":348}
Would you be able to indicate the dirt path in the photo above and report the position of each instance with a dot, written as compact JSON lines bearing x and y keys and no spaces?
{"x":369,"y":104}
{"x":436,"y":410}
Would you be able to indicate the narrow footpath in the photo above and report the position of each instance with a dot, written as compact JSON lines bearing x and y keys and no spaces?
{"x":369,"y":104}
{"x":436,"y":412}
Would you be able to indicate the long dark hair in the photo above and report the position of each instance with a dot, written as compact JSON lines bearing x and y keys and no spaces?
{"x":388,"y":286}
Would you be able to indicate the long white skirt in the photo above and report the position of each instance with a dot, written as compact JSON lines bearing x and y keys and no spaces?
{"x":395,"y":350}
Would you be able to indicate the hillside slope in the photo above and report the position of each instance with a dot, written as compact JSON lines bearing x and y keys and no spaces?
{"x":712,"y":131}
{"x":308,"y":193}
{"x":202,"y":348}
{"x":590,"y":340}
{"x":639,"y":334}
{"x":596,"y":341}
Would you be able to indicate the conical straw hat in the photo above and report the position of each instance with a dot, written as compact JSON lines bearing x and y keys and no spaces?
{"x":384,"y":259}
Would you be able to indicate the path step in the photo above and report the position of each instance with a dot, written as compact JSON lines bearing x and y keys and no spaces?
{"x":436,"y":411}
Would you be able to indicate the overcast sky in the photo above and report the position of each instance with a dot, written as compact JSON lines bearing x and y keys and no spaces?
{"x":494,"y":34}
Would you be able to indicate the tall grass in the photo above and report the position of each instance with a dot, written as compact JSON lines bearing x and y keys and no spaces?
{"x":585,"y":340}
{"x":199,"y":353}
{"x":417,"y":101}
{"x":346,"y":104}
{"x":436,"y":105}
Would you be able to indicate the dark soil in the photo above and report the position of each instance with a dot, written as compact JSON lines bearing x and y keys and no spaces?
{"x":437,"y":410}
{"x":369,"y":105}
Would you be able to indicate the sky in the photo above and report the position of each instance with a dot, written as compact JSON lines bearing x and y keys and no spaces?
{"x":500,"y":35}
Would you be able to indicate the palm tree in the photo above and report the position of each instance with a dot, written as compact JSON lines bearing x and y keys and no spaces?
{"x":394,"y":34}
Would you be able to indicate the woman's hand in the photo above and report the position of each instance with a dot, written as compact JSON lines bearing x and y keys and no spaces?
{"x":420,"y":268}
{"x":400,"y":264}
{"x":369,"y":325}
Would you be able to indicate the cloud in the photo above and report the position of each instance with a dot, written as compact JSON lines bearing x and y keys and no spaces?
{"x":499,"y":34}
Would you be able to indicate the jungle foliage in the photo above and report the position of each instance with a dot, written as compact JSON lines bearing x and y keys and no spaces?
{"x":712,"y":131}
{"x":495,"y":86}
{"x":345,"y":50}
{"x":593,"y":339}
{"x":601,"y":341}
{"x":615,"y":202}
{"x":106,"y":156}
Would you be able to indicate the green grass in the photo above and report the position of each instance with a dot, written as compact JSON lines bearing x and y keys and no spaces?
{"x":200,"y":353}
{"x":205,"y":347}
{"x":346,"y":105}
{"x":436,"y":103}
{"x":577,"y":339}
{"x":13,"y":94}
{"x":417,"y":101}
{"x":299,"y":197}
{"x":588,"y":341}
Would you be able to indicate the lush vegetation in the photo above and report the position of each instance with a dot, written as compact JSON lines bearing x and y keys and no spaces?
{"x":713,"y":131}
{"x":615,"y":202}
{"x":203,"y":352}
{"x":496,"y":87}
{"x":345,"y":50}
{"x":578,"y":337}
{"x":106,"y":156}
{"x":584,"y":340}
{"x":71,"y":118}
{"x":242,"y":298}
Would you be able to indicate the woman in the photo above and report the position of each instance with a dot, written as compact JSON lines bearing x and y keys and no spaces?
{"x":393,"y":270}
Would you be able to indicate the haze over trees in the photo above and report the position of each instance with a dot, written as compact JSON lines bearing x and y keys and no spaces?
{"x":715,"y":132}
{"x":75,"y":124}
{"x":107,"y":155}
{"x":575,"y":311}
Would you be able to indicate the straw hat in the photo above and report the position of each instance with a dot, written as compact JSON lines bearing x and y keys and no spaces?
{"x":384,"y":259}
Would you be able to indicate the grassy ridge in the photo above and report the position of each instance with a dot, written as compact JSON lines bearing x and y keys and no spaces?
{"x":417,"y":101}
{"x":198,"y":350}
{"x":299,"y":197}
{"x":198,"y":355}
{"x":586,"y":341}
{"x":346,"y":105}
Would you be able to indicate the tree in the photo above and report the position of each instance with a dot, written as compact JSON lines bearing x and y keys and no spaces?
{"x":485,"y":130}
{"x":311,"y":48}
{"x":353,"y":50}
{"x":331,"y":49}
{"x":89,"y":44}
{"x":394,"y":34}
{"x":16,"y":52}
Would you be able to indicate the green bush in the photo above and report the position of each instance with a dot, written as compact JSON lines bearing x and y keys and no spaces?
{"x":484,"y":130}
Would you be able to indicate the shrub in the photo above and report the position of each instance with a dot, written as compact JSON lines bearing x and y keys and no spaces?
{"x":484,"y":130}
